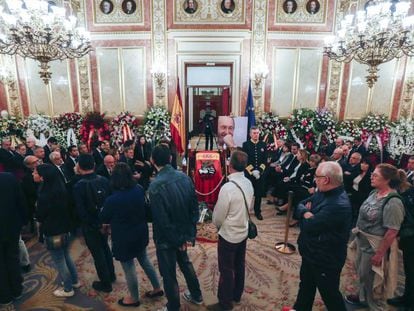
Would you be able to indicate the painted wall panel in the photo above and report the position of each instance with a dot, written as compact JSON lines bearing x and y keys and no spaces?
{"x":60,"y":87}
{"x":356,"y":104}
{"x":308,"y":78}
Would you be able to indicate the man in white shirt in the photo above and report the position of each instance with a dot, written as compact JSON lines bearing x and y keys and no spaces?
{"x":231,"y":218}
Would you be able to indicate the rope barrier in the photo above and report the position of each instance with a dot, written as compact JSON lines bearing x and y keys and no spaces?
{"x":212,"y":191}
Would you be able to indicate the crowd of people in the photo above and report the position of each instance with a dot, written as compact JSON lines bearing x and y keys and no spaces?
{"x":338,"y":197}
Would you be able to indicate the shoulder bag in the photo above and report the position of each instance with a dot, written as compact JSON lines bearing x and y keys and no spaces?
{"x":252,"y":229}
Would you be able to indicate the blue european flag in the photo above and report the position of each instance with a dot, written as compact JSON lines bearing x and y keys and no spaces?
{"x":249,"y":113}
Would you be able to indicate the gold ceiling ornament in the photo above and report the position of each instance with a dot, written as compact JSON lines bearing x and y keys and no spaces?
{"x":373,"y":36}
{"x":41,"y":31}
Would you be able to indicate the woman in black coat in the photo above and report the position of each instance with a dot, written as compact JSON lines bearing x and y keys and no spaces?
{"x":142,"y":155}
{"x":361,"y":187}
{"x":54,"y":215}
{"x":124,"y":210}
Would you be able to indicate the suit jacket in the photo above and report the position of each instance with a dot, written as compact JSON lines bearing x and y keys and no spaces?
{"x":410,"y":177}
{"x":47,"y":153}
{"x":70,"y":167}
{"x":349,"y":178}
{"x":360,"y":149}
{"x":103,"y":171}
{"x":289,"y":166}
{"x":303,"y":168}
{"x":63,"y":173}
{"x":98,"y":157}
{"x":12,"y":208}
{"x":7,"y":160}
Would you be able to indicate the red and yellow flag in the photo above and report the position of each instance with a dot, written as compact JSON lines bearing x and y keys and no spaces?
{"x":177,"y":124}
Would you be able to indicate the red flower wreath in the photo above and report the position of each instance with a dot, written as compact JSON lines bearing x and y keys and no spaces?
{"x":94,"y":128}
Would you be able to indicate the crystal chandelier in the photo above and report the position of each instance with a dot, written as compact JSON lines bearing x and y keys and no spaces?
{"x":41,"y":31}
{"x":373,"y":36}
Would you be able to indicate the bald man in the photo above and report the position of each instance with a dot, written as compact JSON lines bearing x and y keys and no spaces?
{"x":107,"y":167}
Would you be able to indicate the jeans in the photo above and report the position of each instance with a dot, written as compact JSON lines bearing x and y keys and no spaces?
{"x":23,"y":254}
{"x":65,"y":267}
{"x":167,"y":260}
{"x":10,"y":272}
{"x":231,"y":261}
{"x":98,"y":246}
{"x":325,"y":280}
{"x":131,"y":273}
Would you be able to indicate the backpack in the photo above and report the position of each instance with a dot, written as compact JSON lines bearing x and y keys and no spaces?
{"x":96,"y":194}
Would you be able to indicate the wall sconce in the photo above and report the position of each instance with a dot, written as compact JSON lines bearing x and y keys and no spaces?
{"x":259,"y":75}
{"x":7,"y":78}
{"x":159,"y":77}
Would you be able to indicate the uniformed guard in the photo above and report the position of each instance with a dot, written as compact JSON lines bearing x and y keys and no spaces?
{"x":257,"y":157}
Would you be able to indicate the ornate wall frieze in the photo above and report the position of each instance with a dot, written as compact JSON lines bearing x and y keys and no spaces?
{"x":258,"y":60}
{"x":159,"y":48}
{"x":209,"y":12}
{"x":333,"y":98}
{"x":407,"y":98}
{"x":117,"y":12}
{"x":84,"y":85}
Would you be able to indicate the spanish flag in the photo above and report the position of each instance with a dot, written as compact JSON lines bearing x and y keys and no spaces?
{"x":177,"y":124}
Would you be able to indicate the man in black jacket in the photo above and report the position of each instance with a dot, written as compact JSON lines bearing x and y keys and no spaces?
{"x":325,"y":223}
{"x":89,"y":194}
{"x":175,"y":214}
{"x":12,"y":218}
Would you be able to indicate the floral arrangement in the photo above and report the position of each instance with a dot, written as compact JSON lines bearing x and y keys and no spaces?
{"x":271,"y":128}
{"x":94,"y":127}
{"x":156,"y":124}
{"x":66,"y":127}
{"x":349,"y":129}
{"x":10,"y":126}
{"x":375,"y":131}
{"x":124,"y":127}
{"x":324,"y":124}
{"x":301,"y":128}
{"x":40,"y":126}
{"x":401,"y":141}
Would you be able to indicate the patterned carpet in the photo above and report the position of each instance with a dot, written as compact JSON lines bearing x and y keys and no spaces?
{"x":271,"y":278}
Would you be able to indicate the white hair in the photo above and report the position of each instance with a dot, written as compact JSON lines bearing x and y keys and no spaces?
{"x":332,"y":170}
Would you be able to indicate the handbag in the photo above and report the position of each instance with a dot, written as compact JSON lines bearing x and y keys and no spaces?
{"x":251,"y":228}
{"x":56,"y":242}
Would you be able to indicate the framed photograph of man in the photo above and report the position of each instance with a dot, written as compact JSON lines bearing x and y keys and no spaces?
{"x":290,"y":6}
{"x":129,"y":6}
{"x":106,"y":6}
{"x":227,"y":6}
{"x":190,"y":6}
{"x":313,"y":6}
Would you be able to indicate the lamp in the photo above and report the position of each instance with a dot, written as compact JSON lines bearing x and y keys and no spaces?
{"x":376,"y":35}
{"x":41,"y":31}
{"x":159,"y":77}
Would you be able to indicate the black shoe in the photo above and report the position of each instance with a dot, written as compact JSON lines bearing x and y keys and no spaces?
{"x":154,"y":295}
{"x":281,"y":213}
{"x":259,"y":217}
{"x":26,"y":269}
{"x":398,"y":301}
{"x":101,"y":287}
{"x":133,"y":304}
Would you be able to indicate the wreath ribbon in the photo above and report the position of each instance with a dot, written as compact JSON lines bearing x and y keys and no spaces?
{"x":126,"y":133}
{"x":71,"y":137}
{"x":296,"y":138}
{"x":90,"y":136}
{"x":380,"y":146}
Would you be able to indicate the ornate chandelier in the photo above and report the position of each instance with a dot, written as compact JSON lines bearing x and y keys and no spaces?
{"x":373,"y":36}
{"x":41,"y":31}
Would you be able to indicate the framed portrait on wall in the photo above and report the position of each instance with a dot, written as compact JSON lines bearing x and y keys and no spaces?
{"x":227,"y":6}
{"x":129,"y":6}
{"x":301,"y":11}
{"x":190,"y":6}
{"x":290,"y":6}
{"x":106,"y":7}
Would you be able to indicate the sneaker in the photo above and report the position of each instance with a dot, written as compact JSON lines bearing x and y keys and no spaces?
{"x":187,"y":296}
{"x":354,"y":300}
{"x":62,"y":293}
{"x":101,"y":287}
{"x":76,"y":285}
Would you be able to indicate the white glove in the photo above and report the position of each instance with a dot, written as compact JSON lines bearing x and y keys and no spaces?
{"x":256,"y":174}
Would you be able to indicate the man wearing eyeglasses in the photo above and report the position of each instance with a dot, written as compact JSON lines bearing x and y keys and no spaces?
{"x":325,"y":223}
